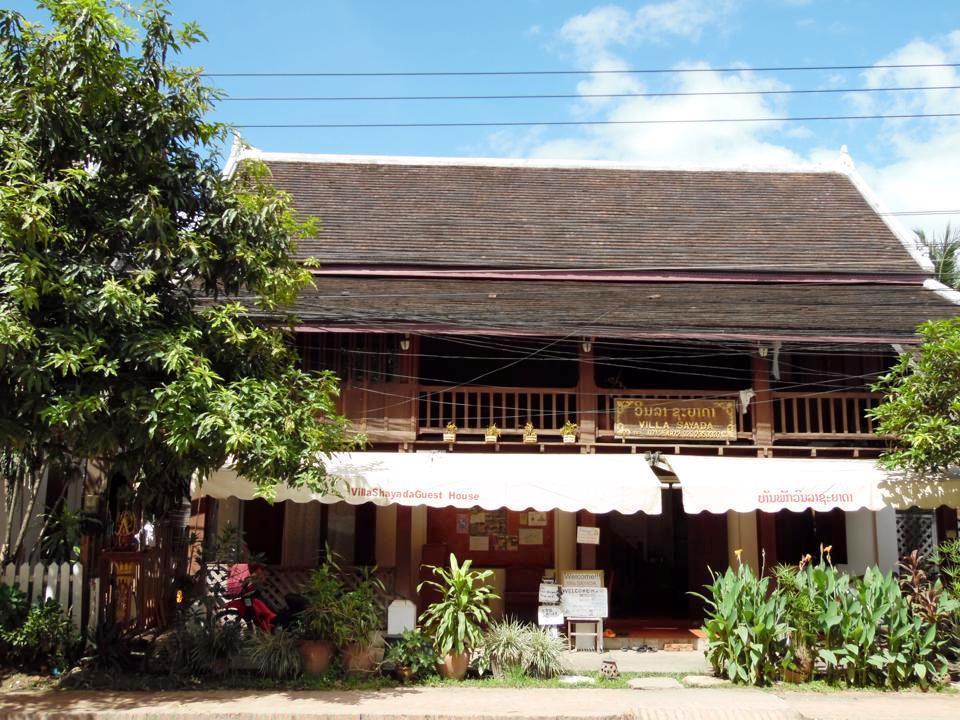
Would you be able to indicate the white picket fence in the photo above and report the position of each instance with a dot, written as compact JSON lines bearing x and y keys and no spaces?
{"x":62,"y":582}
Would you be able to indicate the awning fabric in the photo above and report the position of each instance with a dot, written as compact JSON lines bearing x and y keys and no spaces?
{"x":596,"y":483}
{"x":719,"y":484}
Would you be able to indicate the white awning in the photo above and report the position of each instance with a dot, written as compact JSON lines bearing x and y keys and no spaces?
{"x":719,"y":484}
{"x":596,"y":483}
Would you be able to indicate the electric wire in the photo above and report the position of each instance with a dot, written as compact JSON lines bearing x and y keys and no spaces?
{"x":574,"y":96}
{"x":568,"y":123}
{"x":619,"y":71}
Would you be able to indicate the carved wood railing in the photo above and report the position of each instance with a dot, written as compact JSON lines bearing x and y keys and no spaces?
{"x":823,"y":416}
{"x":472,"y":409}
{"x":801,"y":415}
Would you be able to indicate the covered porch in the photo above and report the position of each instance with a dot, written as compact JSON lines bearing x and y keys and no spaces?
{"x":658,"y":526}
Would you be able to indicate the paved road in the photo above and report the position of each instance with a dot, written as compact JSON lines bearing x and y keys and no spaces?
{"x":483,"y":704}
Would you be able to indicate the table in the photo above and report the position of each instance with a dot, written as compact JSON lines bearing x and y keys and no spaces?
{"x":597,"y":633}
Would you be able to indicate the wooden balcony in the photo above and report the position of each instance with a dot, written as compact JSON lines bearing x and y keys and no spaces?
{"x":473,"y":409}
{"x":824,"y":416}
{"x":797,"y":416}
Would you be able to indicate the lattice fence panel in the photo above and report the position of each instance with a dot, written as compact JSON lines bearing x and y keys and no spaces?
{"x":916,"y":530}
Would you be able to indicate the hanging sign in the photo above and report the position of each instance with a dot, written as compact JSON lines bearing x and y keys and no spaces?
{"x":549,"y":593}
{"x":584,"y":602}
{"x":588,"y":535}
{"x":675,"y":418}
{"x":550,"y":615}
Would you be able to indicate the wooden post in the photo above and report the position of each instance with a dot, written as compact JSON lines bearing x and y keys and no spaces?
{"x":587,"y":554}
{"x":586,"y":397}
{"x":762,"y":402}
{"x":404,"y":569}
{"x":767,"y":539}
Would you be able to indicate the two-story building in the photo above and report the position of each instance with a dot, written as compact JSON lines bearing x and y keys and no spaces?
{"x":713,"y":335}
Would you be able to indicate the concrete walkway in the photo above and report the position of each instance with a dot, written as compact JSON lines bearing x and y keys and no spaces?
{"x":666,"y":663}
{"x":484,"y":704}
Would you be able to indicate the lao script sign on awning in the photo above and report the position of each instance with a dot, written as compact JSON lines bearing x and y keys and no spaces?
{"x":693,"y":419}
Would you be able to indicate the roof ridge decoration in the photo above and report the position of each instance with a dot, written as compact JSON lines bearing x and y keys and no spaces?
{"x":242,"y":151}
{"x":944,"y":291}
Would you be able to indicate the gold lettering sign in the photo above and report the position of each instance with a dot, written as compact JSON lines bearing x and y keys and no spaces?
{"x":672,"y":419}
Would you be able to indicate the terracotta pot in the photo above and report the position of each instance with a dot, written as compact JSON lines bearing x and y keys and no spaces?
{"x":358,"y":658}
{"x":454,"y":666}
{"x":316,"y":656}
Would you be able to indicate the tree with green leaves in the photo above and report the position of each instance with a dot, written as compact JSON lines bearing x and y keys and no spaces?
{"x":944,"y":253}
{"x":921,"y":408}
{"x":124,"y":256}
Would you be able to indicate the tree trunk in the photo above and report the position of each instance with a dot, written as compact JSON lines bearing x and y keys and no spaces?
{"x":35,"y":480}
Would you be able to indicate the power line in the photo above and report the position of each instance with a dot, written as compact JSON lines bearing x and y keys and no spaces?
{"x":568,"y":96}
{"x":567,"y":123}
{"x":634,"y":71}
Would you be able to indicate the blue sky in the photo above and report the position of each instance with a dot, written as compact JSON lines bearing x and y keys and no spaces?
{"x":913,"y":164}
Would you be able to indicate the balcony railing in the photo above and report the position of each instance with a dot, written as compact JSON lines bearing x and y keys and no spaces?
{"x":795,"y":415}
{"x":823,"y":416}
{"x":473,"y":409}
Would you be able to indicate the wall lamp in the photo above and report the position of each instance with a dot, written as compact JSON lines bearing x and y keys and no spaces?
{"x":405,"y":342}
{"x":587,"y":344}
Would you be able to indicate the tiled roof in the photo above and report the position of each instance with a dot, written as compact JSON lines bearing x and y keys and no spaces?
{"x":490,"y":216}
{"x":860,"y":313}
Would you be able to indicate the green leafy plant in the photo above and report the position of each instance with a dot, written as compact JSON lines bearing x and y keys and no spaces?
{"x":357,"y":614}
{"x":412,"y":650}
{"x":922,"y":403}
{"x":544,"y":653}
{"x":202,"y":649}
{"x":456,"y":620}
{"x":45,"y":640}
{"x":504,"y":646}
{"x":882,"y":641}
{"x":320,"y":620}
{"x":569,"y":428}
{"x":13,"y":607}
{"x":745,"y":625}
{"x":136,"y":274}
{"x":275,"y":654}
{"x":62,"y":533}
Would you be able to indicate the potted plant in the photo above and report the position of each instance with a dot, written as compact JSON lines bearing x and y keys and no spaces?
{"x":359,"y":618}
{"x":456,"y":620}
{"x":529,"y":433}
{"x":450,"y":433}
{"x":569,"y":432}
{"x":318,"y":622}
{"x":491,"y":434}
{"x":411,"y":656}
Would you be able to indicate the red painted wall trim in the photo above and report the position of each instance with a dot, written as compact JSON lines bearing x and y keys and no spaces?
{"x":433,"y":329}
{"x":622,"y":276}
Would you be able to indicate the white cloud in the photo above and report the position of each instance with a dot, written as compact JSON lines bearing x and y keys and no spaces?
{"x":912,"y":164}
{"x":597,"y":37}
{"x":921,"y":169}
{"x":653,"y":22}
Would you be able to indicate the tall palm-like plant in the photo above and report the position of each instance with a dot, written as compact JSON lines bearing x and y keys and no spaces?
{"x":944,"y":252}
{"x":456,"y":620}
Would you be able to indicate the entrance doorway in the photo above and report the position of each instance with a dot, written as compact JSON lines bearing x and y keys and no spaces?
{"x":652,"y":562}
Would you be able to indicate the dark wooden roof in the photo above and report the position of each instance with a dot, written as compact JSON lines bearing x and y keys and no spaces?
{"x":490,"y":216}
{"x":858,"y":313}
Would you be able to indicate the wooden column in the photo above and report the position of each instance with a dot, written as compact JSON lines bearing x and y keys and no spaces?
{"x":404,"y":577}
{"x":587,"y":554}
{"x":767,"y":539}
{"x":762,"y":402}
{"x":586,"y":397}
